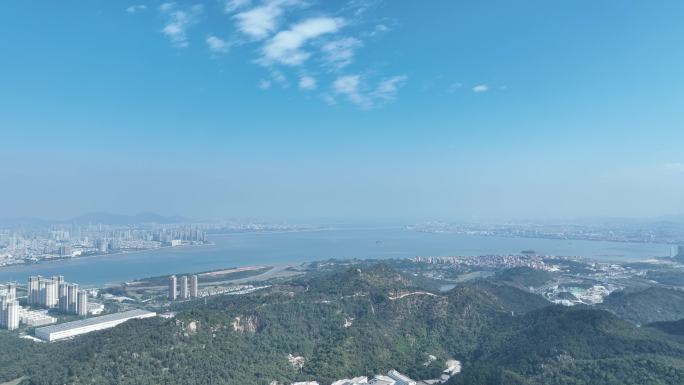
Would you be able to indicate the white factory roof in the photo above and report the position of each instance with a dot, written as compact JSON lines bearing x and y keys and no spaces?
{"x":400,"y":378}
{"x":123,"y":316}
{"x":382,"y":380}
{"x":353,"y":381}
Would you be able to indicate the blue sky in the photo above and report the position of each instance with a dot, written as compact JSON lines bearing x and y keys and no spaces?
{"x":351,"y":109}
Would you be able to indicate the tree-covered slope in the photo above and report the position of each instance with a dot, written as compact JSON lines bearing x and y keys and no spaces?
{"x":578,"y":346}
{"x":357,"y":321}
{"x":650,"y":305}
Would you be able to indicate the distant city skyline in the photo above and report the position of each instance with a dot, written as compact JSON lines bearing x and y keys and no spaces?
{"x":351,"y":110}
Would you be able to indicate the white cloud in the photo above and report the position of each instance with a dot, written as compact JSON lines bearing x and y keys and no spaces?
{"x":264,"y":84}
{"x":259,"y":22}
{"x":388,"y":88}
{"x":481,"y":88}
{"x":178,"y":21}
{"x":166,"y":7}
{"x":217,"y":45}
{"x":286,"y":46}
{"x":454,"y":86}
{"x":136,"y":8}
{"x":340,"y":53}
{"x":360,"y":7}
{"x":379,"y":29}
{"x":352,"y":87}
{"x":307,"y":83}
{"x":279,"y":78}
{"x":234,"y":5}
{"x":262,"y":23}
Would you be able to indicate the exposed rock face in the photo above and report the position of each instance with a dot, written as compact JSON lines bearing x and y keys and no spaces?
{"x":249,"y":324}
{"x":192,"y":327}
{"x":296,"y":361}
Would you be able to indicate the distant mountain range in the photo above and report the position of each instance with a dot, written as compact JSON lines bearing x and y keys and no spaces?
{"x":117,"y":219}
{"x":99,"y":218}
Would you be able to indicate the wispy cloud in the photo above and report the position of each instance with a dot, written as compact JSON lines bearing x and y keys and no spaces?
{"x":380,"y":28}
{"x":260,"y":22}
{"x":387,"y":89}
{"x":307,"y":83}
{"x":353,"y":88}
{"x":136,"y":8}
{"x":264,"y":84}
{"x":481,"y":88}
{"x":360,"y":7}
{"x":453,"y":87}
{"x":217,"y":45}
{"x":286,"y":47}
{"x":292,"y":45}
{"x":340,"y":53}
{"x":234,"y":5}
{"x":350,"y":86}
{"x":179,"y":20}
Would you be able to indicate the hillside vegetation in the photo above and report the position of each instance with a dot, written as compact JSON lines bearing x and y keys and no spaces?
{"x":358,"y":321}
{"x":650,"y":305}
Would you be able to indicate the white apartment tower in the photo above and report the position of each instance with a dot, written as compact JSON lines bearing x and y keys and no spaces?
{"x":83,"y":303}
{"x":193,"y":287}
{"x":64,"y":297}
{"x":184,"y":293}
{"x":172,"y":288}
{"x":73,"y":298}
{"x":49,"y":293}
{"x":34,"y":290}
{"x":9,"y":311}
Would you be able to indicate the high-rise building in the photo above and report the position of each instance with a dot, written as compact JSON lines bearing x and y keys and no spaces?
{"x":172,"y":288}
{"x":9,"y":312}
{"x":194,"y":293}
{"x":82,"y":303}
{"x":49,"y":293}
{"x":64,"y":297}
{"x":73,"y":298}
{"x":4,"y":300}
{"x":184,"y":292}
{"x":34,"y":290}
{"x":680,"y":251}
{"x":12,"y":290}
{"x":12,"y":315}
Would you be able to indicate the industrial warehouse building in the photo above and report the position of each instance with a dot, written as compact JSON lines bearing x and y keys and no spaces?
{"x":71,"y":329}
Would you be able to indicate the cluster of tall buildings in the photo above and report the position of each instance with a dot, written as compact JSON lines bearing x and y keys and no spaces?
{"x":187,"y":290}
{"x":19,"y":245}
{"x":9,"y":307}
{"x":167,"y":236}
{"x":55,"y":293}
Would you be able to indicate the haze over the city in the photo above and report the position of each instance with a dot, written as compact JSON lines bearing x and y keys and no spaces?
{"x":351,"y":110}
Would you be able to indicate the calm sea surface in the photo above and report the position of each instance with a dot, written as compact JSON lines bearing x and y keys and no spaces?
{"x":296,"y":247}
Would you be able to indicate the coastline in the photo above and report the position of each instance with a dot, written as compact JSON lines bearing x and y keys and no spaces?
{"x":86,"y":257}
{"x":278,"y":248}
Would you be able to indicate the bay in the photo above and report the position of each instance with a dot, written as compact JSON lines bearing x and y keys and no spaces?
{"x":249,"y":249}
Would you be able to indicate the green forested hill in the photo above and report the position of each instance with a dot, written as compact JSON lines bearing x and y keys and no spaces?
{"x":524,"y":276}
{"x":357,"y":322}
{"x":650,"y":305}
{"x":511,"y":298}
{"x":558,"y":345}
